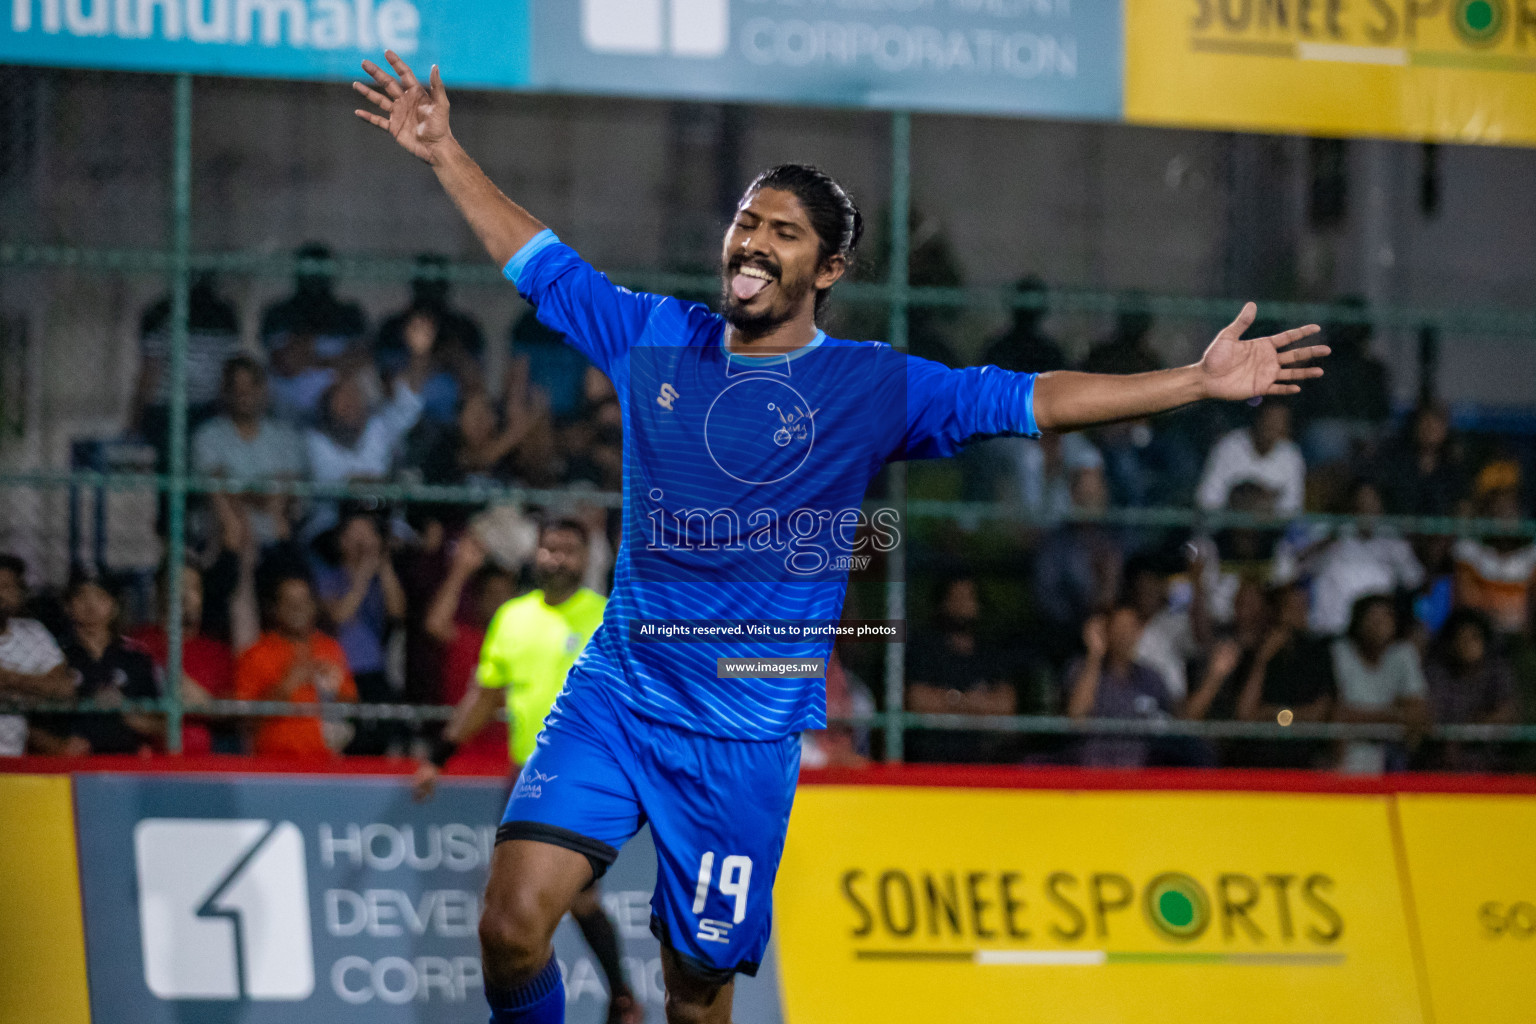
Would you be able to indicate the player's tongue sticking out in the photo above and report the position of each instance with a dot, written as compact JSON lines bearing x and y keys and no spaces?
{"x":748,"y":282}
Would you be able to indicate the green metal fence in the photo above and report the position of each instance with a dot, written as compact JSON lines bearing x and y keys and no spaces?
{"x":178,"y":262}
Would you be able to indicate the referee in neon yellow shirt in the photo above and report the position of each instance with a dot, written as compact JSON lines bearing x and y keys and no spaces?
{"x":530,"y":645}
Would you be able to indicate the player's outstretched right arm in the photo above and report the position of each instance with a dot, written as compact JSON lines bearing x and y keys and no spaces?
{"x":597,"y":317}
{"x":417,"y":116}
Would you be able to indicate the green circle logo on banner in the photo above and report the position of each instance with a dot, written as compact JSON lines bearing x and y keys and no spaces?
{"x":1177,"y":906}
{"x":1479,"y":22}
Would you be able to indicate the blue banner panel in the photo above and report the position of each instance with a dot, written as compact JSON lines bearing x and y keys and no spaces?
{"x":288,"y":900}
{"x":1050,"y":57}
{"x":485,"y":42}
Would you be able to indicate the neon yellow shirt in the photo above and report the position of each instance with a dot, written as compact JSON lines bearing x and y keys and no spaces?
{"x":529,"y":648}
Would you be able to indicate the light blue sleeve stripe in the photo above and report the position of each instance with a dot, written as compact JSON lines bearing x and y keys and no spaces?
{"x":1032,"y":427}
{"x":535,"y":245}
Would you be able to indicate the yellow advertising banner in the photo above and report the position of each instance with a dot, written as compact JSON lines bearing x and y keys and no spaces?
{"x":42,"y":937}
{"x":1030,"y":907}
{"x":1472,"y":868}
{"x":1450,"y":70}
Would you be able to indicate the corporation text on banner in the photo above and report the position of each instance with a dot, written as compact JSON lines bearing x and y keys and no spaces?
{"x":1050,"y":57}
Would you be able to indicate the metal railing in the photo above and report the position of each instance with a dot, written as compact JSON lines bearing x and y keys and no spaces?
{"x":1027,"y":725}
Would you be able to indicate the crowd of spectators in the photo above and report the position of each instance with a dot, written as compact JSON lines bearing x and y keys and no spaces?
{"x":314,"y":599}
{"x":317,"y":600}
{"x":1288,"y":620}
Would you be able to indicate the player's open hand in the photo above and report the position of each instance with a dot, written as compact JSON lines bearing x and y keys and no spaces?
{"x":1238,"y":368}
{"x":415,"y":114}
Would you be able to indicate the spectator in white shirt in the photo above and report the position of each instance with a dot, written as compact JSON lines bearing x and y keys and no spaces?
{"x":31,"y":664}
{"x":1362,"y":559}
{"x":245,"y":443}
{"x":1262,"y":454}
{"x":1380,"y":680}
{"x":1175,"y":632}
{"x":352,"y":444}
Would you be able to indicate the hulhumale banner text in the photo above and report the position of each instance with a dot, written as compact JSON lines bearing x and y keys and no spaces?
{"x":484,"y":42}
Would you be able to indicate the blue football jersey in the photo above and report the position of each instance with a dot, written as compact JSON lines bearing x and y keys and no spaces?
{"x":744,"y":486}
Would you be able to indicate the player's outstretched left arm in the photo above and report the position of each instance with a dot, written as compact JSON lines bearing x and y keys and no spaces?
{"x":1233,"y":368}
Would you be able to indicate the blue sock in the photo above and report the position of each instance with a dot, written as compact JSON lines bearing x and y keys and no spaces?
{"x":539,"y":1001}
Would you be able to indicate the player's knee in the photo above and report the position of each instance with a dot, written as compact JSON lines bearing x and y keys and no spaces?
{"x":587,"y":903}
{"x":514,"y":941}
{"x":695,"y":996}
{"x":691,"y":1008}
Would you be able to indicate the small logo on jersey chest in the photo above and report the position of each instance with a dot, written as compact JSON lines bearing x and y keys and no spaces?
{"x":667,"y":397}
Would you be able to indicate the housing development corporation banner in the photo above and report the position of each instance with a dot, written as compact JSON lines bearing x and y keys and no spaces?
{"x":1051,"y":57}
{"x":1454,"y":70}
{"x":287,"y":900}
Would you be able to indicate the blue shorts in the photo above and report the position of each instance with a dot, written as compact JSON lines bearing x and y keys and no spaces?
{"x":718,"y":810}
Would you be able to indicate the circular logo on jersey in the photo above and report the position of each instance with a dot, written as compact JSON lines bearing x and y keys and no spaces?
{"x":1479,"y":22}
{"x":759,"y":430}
{"x":1177,"y":906}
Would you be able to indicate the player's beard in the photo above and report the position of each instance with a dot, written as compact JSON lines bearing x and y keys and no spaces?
{"x":557,"y":580}
{"x":791,"y":294}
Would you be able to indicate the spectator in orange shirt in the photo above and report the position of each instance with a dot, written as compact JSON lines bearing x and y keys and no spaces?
{"x":1497,"y":575}
{"x":293,"y":661}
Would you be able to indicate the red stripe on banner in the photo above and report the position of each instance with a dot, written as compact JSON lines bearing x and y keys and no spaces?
{"x":1212,"y":779}
{"x":236,"y":764}
{"x":931,"y":775}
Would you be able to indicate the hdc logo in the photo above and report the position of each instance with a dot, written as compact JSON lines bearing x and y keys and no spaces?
{"x":224,"y":909}
{"x":681,"y":28}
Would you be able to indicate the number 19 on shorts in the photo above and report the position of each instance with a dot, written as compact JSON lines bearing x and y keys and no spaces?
{"x":735,"y":878}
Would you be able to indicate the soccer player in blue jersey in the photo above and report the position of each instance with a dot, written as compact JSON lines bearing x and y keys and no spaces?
{"x":750,"y":438}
